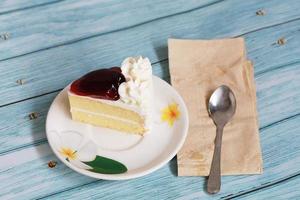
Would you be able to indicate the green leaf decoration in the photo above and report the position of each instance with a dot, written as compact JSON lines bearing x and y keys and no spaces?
{"x":104,"y":165}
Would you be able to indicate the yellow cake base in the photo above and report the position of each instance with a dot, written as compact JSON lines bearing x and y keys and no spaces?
{"x":107,"y":122}
{"x":104,"y":115}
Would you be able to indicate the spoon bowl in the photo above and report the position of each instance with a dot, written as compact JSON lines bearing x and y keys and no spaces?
{"x":222,"y":105}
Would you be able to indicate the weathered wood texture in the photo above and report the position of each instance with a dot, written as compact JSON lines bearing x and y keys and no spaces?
{"x":109,"y":47}
{"x":51,"y":42}
{"x":9,"y":6}
{"x":287,"y":189}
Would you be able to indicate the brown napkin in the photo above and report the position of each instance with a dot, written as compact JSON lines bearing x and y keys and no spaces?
{"x":197,"y":67}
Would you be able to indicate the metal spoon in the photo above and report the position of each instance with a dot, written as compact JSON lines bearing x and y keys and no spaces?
{"x":221,"y":108}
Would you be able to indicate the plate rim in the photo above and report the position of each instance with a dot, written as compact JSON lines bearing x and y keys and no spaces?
{"x":126,"y":176}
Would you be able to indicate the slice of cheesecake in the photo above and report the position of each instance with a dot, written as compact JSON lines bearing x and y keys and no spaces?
{"x":115,"y":98}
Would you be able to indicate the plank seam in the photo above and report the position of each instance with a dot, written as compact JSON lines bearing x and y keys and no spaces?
{"x":113,"y":31}
{"x":31,"y":97}
{"x":30,"y":7}
{"x":43,"y":94}
{"x":276,"y":68}
{"x":279,"y":121}
{"x":263,"y":186}
{"x":35,"y":143}
{"x":270,"y":26}
{"x":160,"y":61}
{"x":67,"y":189}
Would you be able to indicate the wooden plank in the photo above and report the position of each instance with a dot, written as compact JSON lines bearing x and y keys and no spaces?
{"x":275,"y":97}
{"x":41,"y":28}
{"x":278,"y":164}
{"x":286,"y":190}
{"x":35,"y":174}
{"x":33,"y":179}
{"x":17,"y":129}
{"x":49,"y":70}
{"x":9,"y":6}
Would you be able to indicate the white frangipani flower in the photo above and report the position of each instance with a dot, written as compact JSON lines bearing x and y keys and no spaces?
{"x":72,"y":146}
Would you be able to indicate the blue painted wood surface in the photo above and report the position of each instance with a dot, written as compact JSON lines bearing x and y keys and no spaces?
{"x":51,"y":42}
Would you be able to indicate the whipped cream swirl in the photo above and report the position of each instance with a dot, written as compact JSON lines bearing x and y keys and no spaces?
{"x":138,"y":86}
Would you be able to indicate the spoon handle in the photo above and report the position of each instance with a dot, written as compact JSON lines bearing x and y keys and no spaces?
{"x":214,"y":179}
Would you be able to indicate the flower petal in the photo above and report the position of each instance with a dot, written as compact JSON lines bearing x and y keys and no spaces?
{"x":170,"y":113}
{"x":88,"y":152}
{"x":71,"y":139}
{"x":77,"y":163}
{"x":55,"y":140}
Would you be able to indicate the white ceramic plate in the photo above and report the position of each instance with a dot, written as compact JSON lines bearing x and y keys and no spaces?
{"x":107,"y":154}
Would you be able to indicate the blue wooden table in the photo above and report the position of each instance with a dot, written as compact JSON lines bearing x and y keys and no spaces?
{"x":45,"y":44}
